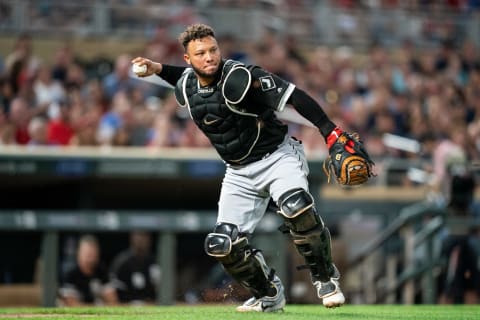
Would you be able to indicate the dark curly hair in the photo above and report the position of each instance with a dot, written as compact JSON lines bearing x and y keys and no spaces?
{"x":193,"y":32}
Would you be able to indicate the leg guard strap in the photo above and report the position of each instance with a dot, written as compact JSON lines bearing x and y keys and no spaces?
{"x":315,"y":247}
{"x":248,"y":267}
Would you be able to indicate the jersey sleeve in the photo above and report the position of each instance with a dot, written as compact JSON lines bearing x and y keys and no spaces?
{"x":269,"y":89}
{"x":171,"y":74}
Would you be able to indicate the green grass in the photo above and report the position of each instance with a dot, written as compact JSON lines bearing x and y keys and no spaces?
{"x":227,"y":312}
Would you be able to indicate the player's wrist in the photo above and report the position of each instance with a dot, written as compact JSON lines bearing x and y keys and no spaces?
{"x":157,"y":67}
{"x":333,"y":136}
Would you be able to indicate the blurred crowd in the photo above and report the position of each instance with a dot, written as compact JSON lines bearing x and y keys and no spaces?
{"x":429,"y":94}
{"x":62,"y":103}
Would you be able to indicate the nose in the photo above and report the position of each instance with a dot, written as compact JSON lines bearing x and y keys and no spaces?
{"x":208,"y":56}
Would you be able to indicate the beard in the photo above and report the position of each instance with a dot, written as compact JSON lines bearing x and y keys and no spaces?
{"x":205,"y":75}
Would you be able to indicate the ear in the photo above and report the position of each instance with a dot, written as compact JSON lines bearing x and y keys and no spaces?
{"x":186,"y":58}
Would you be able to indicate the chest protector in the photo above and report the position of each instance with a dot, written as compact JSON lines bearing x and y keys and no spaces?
{"x":240,"y":132}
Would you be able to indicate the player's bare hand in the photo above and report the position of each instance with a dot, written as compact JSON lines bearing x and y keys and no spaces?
{"x":144,"y":67}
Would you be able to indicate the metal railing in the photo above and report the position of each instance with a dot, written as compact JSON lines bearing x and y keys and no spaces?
{"x":397,"y":248}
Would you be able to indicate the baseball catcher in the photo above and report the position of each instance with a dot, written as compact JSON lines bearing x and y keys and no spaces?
{"x":348,"y":160}
{"x":235,"y":106}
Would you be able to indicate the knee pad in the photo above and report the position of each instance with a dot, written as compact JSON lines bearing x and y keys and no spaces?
{"x":219,"y":242}
{"x":297,"y":208}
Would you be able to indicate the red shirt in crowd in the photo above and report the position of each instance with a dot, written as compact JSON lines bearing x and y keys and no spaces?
{"x":59,"y":132}
{"x":22,"y":136}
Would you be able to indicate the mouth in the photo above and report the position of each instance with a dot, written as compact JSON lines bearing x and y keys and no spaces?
{"x":210,"y":68}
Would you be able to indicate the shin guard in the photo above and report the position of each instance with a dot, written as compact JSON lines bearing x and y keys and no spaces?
{"x":315,"y":247}
{"x":311,"y":237}
{"x":244,"y":263}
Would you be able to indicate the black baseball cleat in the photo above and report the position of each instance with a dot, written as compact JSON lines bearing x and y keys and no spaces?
{"x":266,"y":303}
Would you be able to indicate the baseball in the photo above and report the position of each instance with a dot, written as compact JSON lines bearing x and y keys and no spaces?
{"x":139,"y":69}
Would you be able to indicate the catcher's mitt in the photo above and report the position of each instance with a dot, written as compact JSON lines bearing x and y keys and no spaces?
{"x":348,"y":160}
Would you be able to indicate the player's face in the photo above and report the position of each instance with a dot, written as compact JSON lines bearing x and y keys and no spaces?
{"x":204,"y":56}
{"x":87,"y":257}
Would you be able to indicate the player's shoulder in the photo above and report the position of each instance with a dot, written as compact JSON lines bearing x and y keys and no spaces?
{"x":258,"y":71}
{"x":236,"y":81}
{"x":232,"y":66}
{"x":188,"y":72}
{"x":264,"y":79}
{"x":122,"y":258}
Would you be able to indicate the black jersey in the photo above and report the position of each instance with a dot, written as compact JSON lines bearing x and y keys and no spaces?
{"x":86,"y":288}
{"x":135,"y":278}
{"x":243,"y":131}
{"x":269,"y":90}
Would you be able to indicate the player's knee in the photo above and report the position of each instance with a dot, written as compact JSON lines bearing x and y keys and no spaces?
{"x":295,"y":202}
{"x":219,"y":242}
{"x":297,"y":207}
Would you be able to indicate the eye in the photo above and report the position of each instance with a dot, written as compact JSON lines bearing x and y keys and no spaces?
{"x":199,"y":53}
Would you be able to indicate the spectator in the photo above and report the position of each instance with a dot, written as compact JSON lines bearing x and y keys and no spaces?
{"x":119,"y":79}
{"x":7,"y":135}
{"x":37,"y":130}
{"x":21,"y":63}
{"x":135,"y":273}
{"x":62,"y":60}
{"x":449,"y":152}
{"x":161,"y":131}
{"x":142,"y":115}
{"x":87,"y":283}
{"x":6,"y":94}
{"x":60,"y":131}
{"x":192,"y":137}
{"x":19,"y":117}
{"x":166,"y":129}
{"x":460,"y":251}
{"x":75,"y":77}
{"x":85,"y":110}
{"x":47,"y":90}
{"x":114,"y":123}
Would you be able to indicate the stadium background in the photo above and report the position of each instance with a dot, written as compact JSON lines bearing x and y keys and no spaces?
{"x":425,"y":52}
